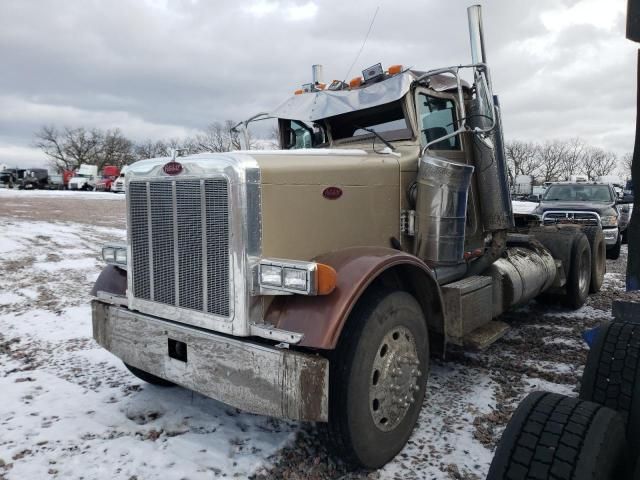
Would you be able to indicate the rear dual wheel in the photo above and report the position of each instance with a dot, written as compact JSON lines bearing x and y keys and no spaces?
{"x":378,"y":378}
{"x":598,"y":257}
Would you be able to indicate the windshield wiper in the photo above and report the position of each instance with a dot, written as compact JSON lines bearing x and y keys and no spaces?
{"x":370,"y":130}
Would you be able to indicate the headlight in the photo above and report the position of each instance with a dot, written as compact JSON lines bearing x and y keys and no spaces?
{"x":293,"y":276}
{"x":609,"y":220}
{"x":296,"y":279}
{"x":270,"y":275}
{"x":115,"y":255}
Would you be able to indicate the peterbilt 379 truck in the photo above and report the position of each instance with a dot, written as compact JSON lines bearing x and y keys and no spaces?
{"x":312,"y":282}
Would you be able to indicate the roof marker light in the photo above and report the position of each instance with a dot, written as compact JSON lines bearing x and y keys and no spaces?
{"x":395,"y":69}
{"x":355,"y":82}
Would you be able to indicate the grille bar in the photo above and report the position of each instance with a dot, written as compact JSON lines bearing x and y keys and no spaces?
{"x":180,"y":243}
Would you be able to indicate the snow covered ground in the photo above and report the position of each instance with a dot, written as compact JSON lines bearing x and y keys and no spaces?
{"x":69,"y":409}
{"x":15,"y":193}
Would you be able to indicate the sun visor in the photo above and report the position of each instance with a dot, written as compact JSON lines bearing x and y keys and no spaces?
{"x":313,"y":106}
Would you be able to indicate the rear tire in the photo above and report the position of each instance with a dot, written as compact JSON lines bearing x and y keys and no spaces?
{"x":378,"y":378}
{"x":598,"y":257}
{"x":148,"y":377}
{"x":579,"y":277}
{"x":612,"y":375}
{"x":552,"y":436}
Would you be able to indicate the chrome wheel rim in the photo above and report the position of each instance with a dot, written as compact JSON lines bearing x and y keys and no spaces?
{"x":393,"y":382}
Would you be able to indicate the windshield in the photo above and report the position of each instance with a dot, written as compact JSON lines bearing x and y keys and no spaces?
{"x":578,"y":193}
{"x":388,"y":120}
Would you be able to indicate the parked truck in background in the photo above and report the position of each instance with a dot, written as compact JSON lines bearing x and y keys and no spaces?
{"x":595,"y":204}
{"x":314,"y":283}
{"x":110,"y":174}
{"x":84,"y":178}
{"x":523,"y":185}
{"x":11,"y":177}
{"x":34,"y":178}
{"x":118,"y":185}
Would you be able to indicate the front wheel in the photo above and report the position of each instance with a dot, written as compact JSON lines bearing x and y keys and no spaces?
{"x":378,"y":378}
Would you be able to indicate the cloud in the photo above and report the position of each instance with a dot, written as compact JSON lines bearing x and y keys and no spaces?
{"x":169,"y":67}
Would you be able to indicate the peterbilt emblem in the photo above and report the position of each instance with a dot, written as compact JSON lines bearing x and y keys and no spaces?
{"x":172,"y":168}
{"x":332,"y":193}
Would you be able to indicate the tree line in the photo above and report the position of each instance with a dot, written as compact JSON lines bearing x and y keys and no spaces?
{"x":560,"y":159}
{"x":69,"y":147}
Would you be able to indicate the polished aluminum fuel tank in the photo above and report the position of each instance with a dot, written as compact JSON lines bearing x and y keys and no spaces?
{"x":441,"y":210}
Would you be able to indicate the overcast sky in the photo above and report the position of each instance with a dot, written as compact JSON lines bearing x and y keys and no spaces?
{"x":163,"y":68}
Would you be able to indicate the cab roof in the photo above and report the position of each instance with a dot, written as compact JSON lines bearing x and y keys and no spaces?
{"x":316,"y":105}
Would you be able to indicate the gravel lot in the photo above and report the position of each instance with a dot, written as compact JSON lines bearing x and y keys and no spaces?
{"x":70,"y":410}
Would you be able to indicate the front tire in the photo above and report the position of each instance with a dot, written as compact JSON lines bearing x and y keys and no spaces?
{"x":148,"y":377}
{"x":378,"y":378}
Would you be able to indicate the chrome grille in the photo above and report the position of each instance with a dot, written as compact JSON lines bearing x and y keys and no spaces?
{"x":180,"y":243}
{"x":578,"y":217}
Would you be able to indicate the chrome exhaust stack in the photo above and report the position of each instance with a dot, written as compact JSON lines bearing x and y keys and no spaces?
{"x":493,"y":187}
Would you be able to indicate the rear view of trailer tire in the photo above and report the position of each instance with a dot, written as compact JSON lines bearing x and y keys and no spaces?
{"x":612,"y":374}
{"x":551,"y":436}
{"x":378,"y":378}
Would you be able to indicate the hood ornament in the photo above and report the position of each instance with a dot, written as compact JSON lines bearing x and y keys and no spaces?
{"x":173,"y":167}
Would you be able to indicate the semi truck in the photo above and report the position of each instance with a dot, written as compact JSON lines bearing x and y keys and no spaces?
{"x":110,"y":173}
{"x":84,"y":178}
{"x":523,"y":185}
{"x":34,"y":178}
{"x":315,"y":282}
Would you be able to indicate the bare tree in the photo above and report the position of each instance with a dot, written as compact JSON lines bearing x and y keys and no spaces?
{"x":151,"y":149}
{"x":625,"y":162}
{"x":573,"y":157}
{"x":115,"y":149}
{"x":550,"y":159}
{"x":50,"y":141}
{"x":521,"y":158}
{"x":598,"y":161}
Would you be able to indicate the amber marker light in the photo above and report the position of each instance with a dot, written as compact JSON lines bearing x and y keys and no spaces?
{"x":326,"y":279}
{"x":298,"y":92}
{"x":355,"y":82}
{"x":394,"y":69}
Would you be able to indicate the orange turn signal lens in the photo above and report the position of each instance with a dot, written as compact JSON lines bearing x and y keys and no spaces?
{"x":298,"y":92}
{"x":355,"y":82}
{"x":326,"y":279}
{"x":393,"y":69}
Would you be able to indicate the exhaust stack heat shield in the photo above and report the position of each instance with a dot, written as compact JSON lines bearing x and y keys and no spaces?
{"x":441,"y":210}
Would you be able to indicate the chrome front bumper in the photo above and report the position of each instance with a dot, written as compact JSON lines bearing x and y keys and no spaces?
{"x":610,"y":235}
{"x":252,"y":377}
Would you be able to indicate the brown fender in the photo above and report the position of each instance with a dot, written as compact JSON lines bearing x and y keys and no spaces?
{"x":321,"y":318}
{"x":111,"y":280}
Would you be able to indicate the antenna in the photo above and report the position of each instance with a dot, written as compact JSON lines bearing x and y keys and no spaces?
{"x":363,"y":44}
